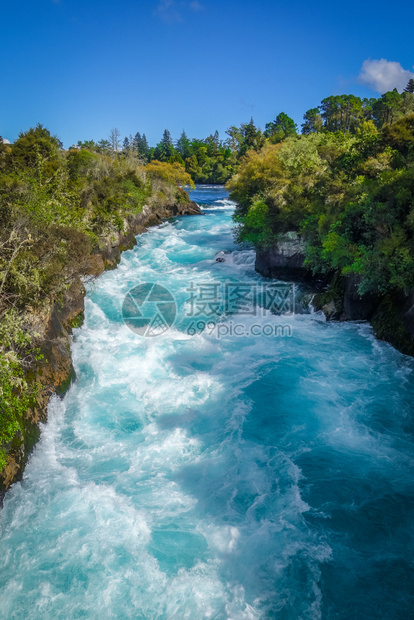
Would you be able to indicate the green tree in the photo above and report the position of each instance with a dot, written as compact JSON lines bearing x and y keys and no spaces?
{"x":410,"y":86}
{"x":164,"y":149}
{"x":166,"y":138}
{"x":104,"y":147}
{"x":34,"y":147}
{"x":387,"y":108}
{"x":192,"y":167}
{"x":235,"y":139}
{"x":252,"y":138}
{"x":140,"y":145}
{"x":137,"y":141}
{"x":183,"y":145}
{"x":279,"y":129}
{"x":87,"y":144}
{"x":312,"y":121}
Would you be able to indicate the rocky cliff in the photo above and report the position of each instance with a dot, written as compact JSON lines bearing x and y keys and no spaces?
{"x":391,"y":315}
{"x":285,"y":261}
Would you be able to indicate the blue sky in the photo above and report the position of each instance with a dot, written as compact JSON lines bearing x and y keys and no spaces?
{"x":82,"y":67}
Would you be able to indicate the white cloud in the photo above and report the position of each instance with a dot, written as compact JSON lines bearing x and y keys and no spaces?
{"x":173,"y":10}
{"x":384,"y":75}
{"x":167,"y":10}
{"x":196,"y":6}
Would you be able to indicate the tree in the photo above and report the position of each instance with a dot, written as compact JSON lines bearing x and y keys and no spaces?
{"x":282,"y":127}
{"x":115,"y":139}
{"x":172,"y":173}
{"x":103,"y":146}
{"x":235,"y":139}
{"x":344,"y":112}
{"x":144,"y":151}
{"x":140,"y":145}
{"x":387,"y":108}
{"x":126,"y":144}
{"x":410,"y":86}
{"x":87,"y":144}
{"x":252,"y":138}
{"x":192,"y":167}
{"x":183,"y":145}
{"x":137,"y":141}
{"x":166,"y":138}
{"x":35,"y":146}
{"x":313,"y":121}
{"x":164,"y":149}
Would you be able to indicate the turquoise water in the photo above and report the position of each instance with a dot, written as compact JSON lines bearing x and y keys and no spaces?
{"x":197,"y":476}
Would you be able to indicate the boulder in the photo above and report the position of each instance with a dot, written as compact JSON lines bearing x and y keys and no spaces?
{"x":285,"y":261}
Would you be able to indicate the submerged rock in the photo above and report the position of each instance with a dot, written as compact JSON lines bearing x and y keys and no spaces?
{"x":221,"y":256}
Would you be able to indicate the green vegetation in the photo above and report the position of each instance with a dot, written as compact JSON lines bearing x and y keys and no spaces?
{"x":346,"y":185}
{"x":210,"y":160}
{"x":55,"y":207}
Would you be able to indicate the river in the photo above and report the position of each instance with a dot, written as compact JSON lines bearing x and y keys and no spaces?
{"x":202,"y":473}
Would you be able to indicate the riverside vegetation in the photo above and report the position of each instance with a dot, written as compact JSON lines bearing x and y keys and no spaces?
{"x":346,"y":187}
{"x":57,"y":208}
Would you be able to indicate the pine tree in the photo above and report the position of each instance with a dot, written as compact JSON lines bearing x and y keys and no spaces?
{"x":252,"y":138}
{"x":410,"y":86}
{"x":126,"y":145}
{"x":164,"y":149}
{"x":183,"y":144}
{"x":166,"y":138}
{"x":140,"y":146}
{"x":137,"y":141}
{"x":144,"y":146}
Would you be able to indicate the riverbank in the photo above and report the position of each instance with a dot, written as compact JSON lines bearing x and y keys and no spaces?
{"x":390,"y":314}
{"x":53,"y":373}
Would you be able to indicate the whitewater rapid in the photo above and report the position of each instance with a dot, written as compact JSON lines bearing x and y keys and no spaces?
{"x":192,"y":476}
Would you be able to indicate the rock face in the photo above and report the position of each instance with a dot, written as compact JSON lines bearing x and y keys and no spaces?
{"x":357,"y":307}
{"x":391,"y":315}
{"x":285,"y":260}
{"x":342,"y":301}
{"x":55,"y":372}
{"x":408,"y":314}
{"x":108,"y":255}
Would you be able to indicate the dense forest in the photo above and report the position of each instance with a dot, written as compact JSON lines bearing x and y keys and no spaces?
{"x":346,"y":185}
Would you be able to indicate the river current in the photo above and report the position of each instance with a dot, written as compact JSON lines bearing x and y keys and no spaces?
{"x":197,"y":474}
